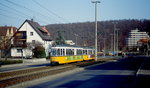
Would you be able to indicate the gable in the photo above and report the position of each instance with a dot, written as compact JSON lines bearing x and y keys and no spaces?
{"x":29,"y":29}
{"x":34,"y":26}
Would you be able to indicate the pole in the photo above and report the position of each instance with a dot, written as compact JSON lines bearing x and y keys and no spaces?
{"x":114,"y":36}
{"x":117,"y":41}
{"x":104,"y":47}
{"x":111,"y":42}
{"x":76,"y":38}
{"x":114,"y":39}
{"x":95,"y":2}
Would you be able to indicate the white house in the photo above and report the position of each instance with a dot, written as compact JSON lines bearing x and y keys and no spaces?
{"x":27,"y":36}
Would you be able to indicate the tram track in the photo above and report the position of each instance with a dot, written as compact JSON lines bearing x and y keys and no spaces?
{"x":15,"y":77}
{"x":27,"y":77}
{"x":18,"y":76}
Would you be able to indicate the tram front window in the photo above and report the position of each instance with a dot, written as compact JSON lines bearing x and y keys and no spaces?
{"x":54,"y":52}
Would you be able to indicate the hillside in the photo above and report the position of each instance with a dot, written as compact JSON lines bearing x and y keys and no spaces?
{"x":84,"y":32}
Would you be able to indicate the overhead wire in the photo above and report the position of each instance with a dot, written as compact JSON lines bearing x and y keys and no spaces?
{"x":32,"y":11}
{"x":8,"y":16}
{"x":50,"y":11}
{"x":15,"y":10}
{"x":10,"y":12}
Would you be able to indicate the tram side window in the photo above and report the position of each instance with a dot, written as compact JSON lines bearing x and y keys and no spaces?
{"x":79,"y":52}
{"x":63,"y":51}
{"x":90,"y":52}
{"x":69,"y":51}
{"x":72,"y":51}
{"x":93,"y":51}
{"x":84,"y":52}
{"x":58,"y":52}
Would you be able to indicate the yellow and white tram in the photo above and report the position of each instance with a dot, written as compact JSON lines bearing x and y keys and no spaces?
{"x":62,"y":54}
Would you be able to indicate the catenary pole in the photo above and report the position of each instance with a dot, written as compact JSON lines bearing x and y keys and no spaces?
{"x":95,"y":2}
{"x":114,"y":37}
{"x":117,"y":41}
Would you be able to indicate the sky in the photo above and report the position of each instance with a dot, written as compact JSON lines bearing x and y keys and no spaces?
{"x":15,"y":12}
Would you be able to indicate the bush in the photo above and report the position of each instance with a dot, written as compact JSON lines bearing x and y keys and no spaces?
{"x":48,"y":57}
{"x":5,"y":62}
{"x":39,"y":52}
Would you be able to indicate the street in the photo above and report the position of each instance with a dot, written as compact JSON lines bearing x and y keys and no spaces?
{"x":124,"y":73}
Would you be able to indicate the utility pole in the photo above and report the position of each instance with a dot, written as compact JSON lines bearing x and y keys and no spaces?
{"x":95,"y":2}
{"x":104,"y":47}
{"x":76,"y":35}
{"x":117,"y":38}
{"x":114,"y":36}
{"x":111,"y":35}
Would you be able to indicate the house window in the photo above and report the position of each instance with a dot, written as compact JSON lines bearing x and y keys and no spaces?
{"x":33,"y":41}
{"x":31,"y":33}
{"x":19,"y":50}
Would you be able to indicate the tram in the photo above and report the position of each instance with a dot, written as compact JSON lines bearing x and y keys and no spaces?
{"x":62,"y":54}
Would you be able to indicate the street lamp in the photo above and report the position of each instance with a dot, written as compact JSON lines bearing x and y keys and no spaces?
{"x":95,"y":2}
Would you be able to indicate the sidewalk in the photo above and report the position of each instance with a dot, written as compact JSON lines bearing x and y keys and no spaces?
{"x":25,"y":63}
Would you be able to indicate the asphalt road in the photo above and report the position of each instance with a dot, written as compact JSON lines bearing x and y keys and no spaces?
{"x":124,"y":73}
{"x":142,"y":79}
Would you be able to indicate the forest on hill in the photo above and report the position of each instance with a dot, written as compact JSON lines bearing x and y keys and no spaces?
{"x":84,"y":33}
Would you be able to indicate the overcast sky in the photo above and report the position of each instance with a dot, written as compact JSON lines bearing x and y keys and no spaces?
{"x":15,"y":12}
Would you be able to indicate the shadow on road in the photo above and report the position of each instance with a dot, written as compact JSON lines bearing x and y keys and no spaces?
{"x":120,"y":74}
{"x":124,"y":73}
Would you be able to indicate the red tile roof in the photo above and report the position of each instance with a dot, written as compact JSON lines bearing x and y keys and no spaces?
{"x":3,"y":30}
{"x":39,"y":30}
{"x":44,"y":28}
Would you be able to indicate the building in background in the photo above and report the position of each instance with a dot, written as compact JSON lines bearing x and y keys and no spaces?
{"x":29,"y":35}
{"x":6,"y":32}
{"x":133,"y":39}
{"x":69,"y":42}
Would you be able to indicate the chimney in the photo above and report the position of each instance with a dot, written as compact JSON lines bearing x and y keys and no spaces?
{"x":7,"y":32}
{"x":32,"y":20}
{"x":11,"y":31}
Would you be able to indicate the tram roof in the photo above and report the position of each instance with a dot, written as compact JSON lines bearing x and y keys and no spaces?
{"x":74,"y":46}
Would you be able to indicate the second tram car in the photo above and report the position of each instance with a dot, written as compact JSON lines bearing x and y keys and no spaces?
{"x":62,"y":54}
